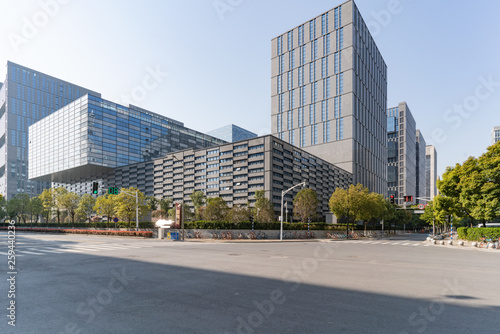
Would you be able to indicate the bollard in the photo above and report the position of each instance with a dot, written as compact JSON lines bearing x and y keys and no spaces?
{"x":160,"y":233}
{"x":450,"y":242}
{"x":460,"y":243}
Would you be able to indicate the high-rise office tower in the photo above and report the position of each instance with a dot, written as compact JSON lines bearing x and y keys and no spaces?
{"x":26,"y":97}
{"x":232,"y":133}
{"x":329,"y":93}
{"x":495,"y":135}
{"x":431,"y":172}
{"x":420,"y":163}
{"x":402,"y":154}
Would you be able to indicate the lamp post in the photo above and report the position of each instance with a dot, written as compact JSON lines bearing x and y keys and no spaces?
{"x":283,"y":193}
{"x":182,"y":204}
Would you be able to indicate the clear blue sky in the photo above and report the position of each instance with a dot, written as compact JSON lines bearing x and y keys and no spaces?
{"x":218,"y":63}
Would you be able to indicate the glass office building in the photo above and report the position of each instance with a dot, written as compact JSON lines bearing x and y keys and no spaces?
{"x":91,"y":136}
{"x":26,"y":96}
{"x":232,"y":133}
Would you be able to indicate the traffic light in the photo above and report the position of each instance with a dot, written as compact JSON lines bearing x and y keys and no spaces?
{"x":95,"y":188}
{"x":408,"y":198}
{"x":251,"y":219}
{"x":392,"y":199}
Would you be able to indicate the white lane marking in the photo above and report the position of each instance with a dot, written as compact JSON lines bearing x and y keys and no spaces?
{"x":28,"y":252}
{"x":45,"y":250}
{"x":405,"y":244}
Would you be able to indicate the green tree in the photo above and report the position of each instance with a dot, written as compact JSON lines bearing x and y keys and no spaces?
{"x":23,"y":206}
{"x":264,"y":208}
{"x":356,"y":203}
{"x":69,"y":202}
{"x":48,"y":201}
{"x":58,"y":201}
{"x":216,"y":210}
{"x":305,"y":204}
{"x":198,"y":199}
{"x":238,"y":214}
{"x":126,"y":204}
{"x":152,"y":203}
{"x":86,"y":206}
{"x":106,"y":206}
{"x":164,"y":205}
{"x":12,"y":208}
{"x":3,"y":207}
{"x":36,"y":207}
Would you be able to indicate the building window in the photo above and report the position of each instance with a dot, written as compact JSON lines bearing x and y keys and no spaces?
{"x":312,"y":30}
{"x":340,"y":129}
{"x":292,"y":99}
{"x":324,"y":67}
{"x":326,"y":45}
{"x":338,"y":62}
{"x":312,"y":113}
{"x":324,"y":110}
{"x":314,"y":50}
{"x":324,"y":23}
{"x":292,"y":59}
{"x":312,"y":71}
{"x":301,"y":117}
{"x":280,"y":45}
{"x":280,"y":84}
{"x":314,"y":134}
{"x":290,"y":79}
{"x":290,"y":40}
{"x":281,"y":63}
{"x":338,"y":107}
{"x":302,"y":137}
{"x":301,"y":35}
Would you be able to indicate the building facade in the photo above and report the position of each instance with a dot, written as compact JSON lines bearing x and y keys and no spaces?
{"x":402,"y":153}
{"x":87,"y":139}
{"x":232,"y":133}
{"x":431,"y":172}
{"x":495,"y":135}
{"x":420,"y":172}
{"x":26,"y":97}
{"x":235,"y":172}
{"x":329,"y":94}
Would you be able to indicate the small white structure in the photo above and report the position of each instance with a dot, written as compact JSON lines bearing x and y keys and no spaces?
{"x":161,"y":224}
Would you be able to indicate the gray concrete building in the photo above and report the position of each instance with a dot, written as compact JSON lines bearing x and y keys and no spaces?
{"x":420,"y":172}
{"x":495,"y":135}
{"x":329,"y":93}
{"x":235,"y":172}
{"x":431,"y":172}
{"x":402,"y":154}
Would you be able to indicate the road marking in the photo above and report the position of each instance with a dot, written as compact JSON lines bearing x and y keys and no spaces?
{"x":395,"y":243}
{"x":405,"y":244}
{"x":45,"y":250}
{"x":385,"y":243}
{"x":70,"y":250}
{"x":28,"y":252}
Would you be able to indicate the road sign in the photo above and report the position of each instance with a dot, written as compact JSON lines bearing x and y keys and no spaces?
{"x":421,"y":206}
{"x":418,"y":211}
{"x":115,"y":220}
{"x":113,"y":191}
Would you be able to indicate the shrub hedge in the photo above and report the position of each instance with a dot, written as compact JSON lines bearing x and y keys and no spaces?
{"x":476,"y":234}
{"x":85,"y":225}
{"x":146,"y":234}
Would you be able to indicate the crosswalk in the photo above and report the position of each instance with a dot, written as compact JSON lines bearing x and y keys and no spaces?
{"x":52,"y":248}
{"x":390,"y":243}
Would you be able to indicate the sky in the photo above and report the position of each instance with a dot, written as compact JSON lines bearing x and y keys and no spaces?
{"x":207,"y":63}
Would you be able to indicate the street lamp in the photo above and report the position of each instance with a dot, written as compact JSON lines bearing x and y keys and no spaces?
{"x":283,"y":193}
{"x":182,"y":205}
{"x":136,"y":206}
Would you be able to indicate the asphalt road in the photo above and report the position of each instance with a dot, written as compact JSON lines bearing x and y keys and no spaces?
{"x":89,"y":284}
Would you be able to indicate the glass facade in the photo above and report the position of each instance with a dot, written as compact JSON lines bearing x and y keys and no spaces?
{"x":92,"y":132}
{"x":232,"y":133}
{"x":26,"y":97}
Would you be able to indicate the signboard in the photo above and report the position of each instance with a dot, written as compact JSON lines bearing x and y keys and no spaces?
{"x":113,"y":191}
{"x":418,"y":211}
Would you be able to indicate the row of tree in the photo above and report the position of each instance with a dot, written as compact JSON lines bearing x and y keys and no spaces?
{"x":469,"y":191}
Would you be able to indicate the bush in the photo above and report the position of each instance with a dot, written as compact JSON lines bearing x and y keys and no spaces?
{"x":204,"y":225}
{"x":462,"y":232}
{"x":476,"y":234}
